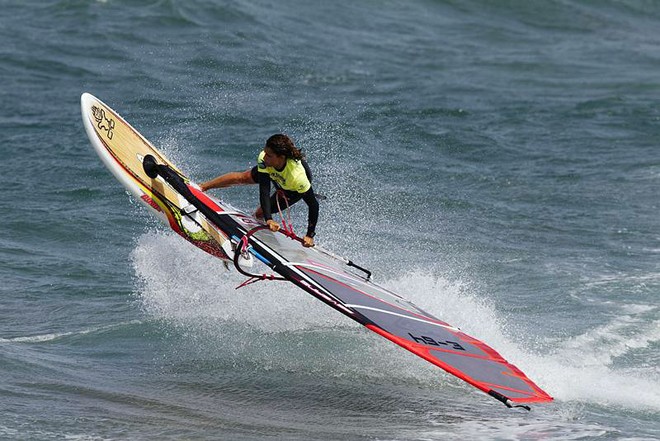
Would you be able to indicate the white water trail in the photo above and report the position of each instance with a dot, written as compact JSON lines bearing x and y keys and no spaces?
{"x":180,"y":284}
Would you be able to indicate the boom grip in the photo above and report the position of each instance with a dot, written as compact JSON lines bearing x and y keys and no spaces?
{"x":350,"y":263}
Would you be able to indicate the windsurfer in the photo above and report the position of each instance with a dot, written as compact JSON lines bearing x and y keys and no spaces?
{"x":282,"y":163}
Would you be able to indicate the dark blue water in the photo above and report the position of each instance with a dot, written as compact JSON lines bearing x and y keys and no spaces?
{"x":495,"y":162}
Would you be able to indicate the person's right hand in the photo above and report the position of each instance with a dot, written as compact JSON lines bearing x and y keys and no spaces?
{"x":308,"y":242}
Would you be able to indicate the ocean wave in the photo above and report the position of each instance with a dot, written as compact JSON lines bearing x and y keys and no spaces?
{"x":56,"y":336}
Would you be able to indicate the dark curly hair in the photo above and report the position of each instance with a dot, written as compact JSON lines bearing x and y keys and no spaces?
{"x":282,"y":145}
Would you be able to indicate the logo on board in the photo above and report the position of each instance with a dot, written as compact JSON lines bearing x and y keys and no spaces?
{"x":103,"y":123}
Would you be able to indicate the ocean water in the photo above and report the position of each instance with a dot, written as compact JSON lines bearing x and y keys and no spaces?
{"x":496,"y":162}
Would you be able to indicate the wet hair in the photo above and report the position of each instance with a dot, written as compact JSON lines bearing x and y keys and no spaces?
{"x":282,"y":145}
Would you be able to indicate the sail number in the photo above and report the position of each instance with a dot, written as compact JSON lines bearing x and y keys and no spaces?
{"x":433,"y":342}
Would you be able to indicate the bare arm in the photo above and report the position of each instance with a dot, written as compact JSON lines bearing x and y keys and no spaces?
{"x":227,"y":180}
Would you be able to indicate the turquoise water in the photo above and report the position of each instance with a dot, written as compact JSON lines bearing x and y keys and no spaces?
{"x":495,"y":162}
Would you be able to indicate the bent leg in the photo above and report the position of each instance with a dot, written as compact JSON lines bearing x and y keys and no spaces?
{"x":275,"y":198}
{"x":291,"y":198}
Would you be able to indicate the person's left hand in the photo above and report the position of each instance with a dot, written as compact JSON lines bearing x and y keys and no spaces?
{"x":308,"y":241}
{"x":274,"y":226}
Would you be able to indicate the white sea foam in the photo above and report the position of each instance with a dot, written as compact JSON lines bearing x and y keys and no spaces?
{"x":487,"y":427}
{"x":578,"y":369}
{"x":59,"y":335}
{"x":582,"y":368}
{"x":181,"y":284}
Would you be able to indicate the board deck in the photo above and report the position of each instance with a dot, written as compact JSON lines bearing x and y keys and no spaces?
{"x":122,"y":149}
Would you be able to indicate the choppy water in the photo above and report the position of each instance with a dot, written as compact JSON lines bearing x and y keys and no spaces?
{"x":495,"y":162}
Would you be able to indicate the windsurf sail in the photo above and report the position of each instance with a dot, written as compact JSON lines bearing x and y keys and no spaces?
{"x":349,"y":289}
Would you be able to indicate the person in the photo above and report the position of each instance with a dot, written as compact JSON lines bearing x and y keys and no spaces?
{"x":284,"y":165}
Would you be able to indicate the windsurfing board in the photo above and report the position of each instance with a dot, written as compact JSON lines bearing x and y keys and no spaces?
{"x":123,"y":149}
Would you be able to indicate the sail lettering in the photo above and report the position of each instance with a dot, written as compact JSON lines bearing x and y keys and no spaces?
{"x":433,"y":342}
